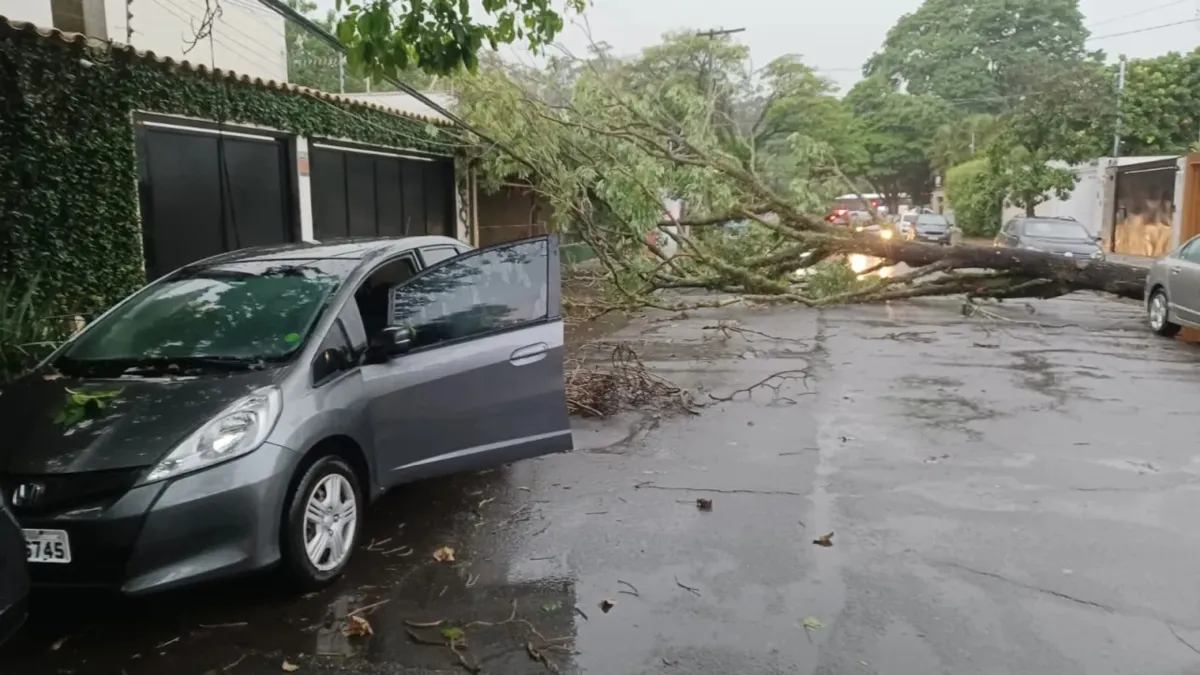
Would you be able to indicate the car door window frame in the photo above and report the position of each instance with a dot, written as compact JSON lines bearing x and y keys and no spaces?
{"x":337,"y":329}
{"x":1192,"y":245}
{"x":454,"y":253}
{"x":553,"y":292}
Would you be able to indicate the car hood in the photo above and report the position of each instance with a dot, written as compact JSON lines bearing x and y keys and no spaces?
{"x":925,"y":227}
{"x":57,"y":425}
{"x":1065,"y":246}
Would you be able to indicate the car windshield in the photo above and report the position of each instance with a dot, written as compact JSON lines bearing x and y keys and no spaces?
{"x":932,"y":220}
{"x":242,"y":312}
{"x":1055,"y":229}
{"x":908,"y":218}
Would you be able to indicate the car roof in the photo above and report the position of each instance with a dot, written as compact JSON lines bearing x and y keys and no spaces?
{"x":362,"y":249}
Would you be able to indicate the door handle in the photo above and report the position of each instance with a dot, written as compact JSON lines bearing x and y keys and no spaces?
{"x":1175,"y":270}
{"x":529,"y":354}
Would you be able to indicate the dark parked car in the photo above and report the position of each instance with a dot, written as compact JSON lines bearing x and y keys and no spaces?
{"x":241,"y":412}
{"x":930,"y":228}
{"x":14,"y":578}
{"x":1064,"y":236}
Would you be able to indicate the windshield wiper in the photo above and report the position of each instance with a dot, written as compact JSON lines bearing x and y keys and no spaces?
{"x":148,"y":366}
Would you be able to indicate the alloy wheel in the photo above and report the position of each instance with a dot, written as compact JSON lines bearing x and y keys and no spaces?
{"x":330,"y":522}
{"x":1158,"y":311}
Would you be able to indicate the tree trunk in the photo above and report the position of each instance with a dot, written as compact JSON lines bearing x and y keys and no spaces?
{"x":1061,"y":274}
{"x":1030,"y":209}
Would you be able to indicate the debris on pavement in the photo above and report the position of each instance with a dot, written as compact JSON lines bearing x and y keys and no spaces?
{"x":606,"y":605}
{"x":825,"y":540}
{"x":704,"y":504}
{"x":444,"y":554}
{"x":632,"y":589}
{"x":625,"y":382}
{"x":812,"y":623}
{"x":357,"y":626}
{"x":288,"y":667}
{"x":689,"y":589}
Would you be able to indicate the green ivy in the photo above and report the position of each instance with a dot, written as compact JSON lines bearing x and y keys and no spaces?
{"x":68,"y":171}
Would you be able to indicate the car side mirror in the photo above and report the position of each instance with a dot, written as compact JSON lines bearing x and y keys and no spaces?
{"x":329,"y":362}
{"x":393,"y":341}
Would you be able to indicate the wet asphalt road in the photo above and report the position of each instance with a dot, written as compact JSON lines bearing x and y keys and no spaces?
{"x":1005,"y":497}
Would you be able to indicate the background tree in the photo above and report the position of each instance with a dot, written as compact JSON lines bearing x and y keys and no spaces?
{"x":1060,"y":122}
{"x":388,"y":37}
{"x":976,"y":197}
{"x":963,"y":139}
{"x":898,"y":130}
{"x":1160,"y":110}
{"x":973,"y":52}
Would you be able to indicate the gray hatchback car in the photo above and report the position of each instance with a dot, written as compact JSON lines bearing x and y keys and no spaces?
{"x":1063,"y":236}
{"x":1173,"y":290}
{"x":241,"y":412}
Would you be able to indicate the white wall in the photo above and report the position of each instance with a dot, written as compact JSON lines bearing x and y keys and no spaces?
{"x":34,"y":11}
{"x":248,"y":38}
{"x":406,"y":103}
{"x":1086,"y":202}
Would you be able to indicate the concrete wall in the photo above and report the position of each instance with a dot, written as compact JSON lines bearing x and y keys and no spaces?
{"x":1086,"y":201}
{"x":247,"y":38}
{"x":406,"y":103}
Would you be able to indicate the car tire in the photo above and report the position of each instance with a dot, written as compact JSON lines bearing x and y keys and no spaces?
{"x":1158,"y":314}
{"x":328,"y":475}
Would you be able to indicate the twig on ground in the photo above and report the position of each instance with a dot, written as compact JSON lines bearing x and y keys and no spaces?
{"x":623,"y":383}
{"x":689,"y":589}
{"x":633,"y":589}
{"x":797,"y":374}
{"x":652,"y":486}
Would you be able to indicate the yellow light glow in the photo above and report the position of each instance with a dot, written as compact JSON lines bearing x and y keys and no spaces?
{"x":885,"y":234}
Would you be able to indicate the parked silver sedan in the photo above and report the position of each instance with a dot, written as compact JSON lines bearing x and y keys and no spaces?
{"x":1173,"y":290}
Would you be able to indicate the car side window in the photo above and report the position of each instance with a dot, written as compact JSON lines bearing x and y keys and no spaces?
{"x":436,"y":254}
{"x":372,"y":296}
{"x":475,"y":294}
{"x":1191,"y":251}
{"x":333,"y":356}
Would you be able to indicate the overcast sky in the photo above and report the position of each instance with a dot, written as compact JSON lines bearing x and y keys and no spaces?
{"x":837,"y":36}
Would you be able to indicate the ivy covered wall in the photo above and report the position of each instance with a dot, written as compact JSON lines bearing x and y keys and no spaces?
{"x":68,"y":172}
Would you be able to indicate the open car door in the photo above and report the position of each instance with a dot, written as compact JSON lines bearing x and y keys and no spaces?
{"x":482,"y":363}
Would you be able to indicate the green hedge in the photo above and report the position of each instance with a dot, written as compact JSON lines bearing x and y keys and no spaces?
{"x":974,"y":197}
{"x":68,"y":172}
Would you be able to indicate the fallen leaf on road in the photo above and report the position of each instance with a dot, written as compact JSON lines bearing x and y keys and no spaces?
{"x":704,"y":504}
{"x":50,"y":377}
{"x":290,"y":667}
{"x":825,"y":540}
{"x":444,"y":554}
{"x":59,"y":643}
{"x":606,"y":605}
{"x":552,"y":606}
{"x":356,"y":626}
{"x":453,"y":633}
{"x":813,"y":623}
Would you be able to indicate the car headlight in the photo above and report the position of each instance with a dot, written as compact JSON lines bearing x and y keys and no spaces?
{"x":238,"y":430}
{"x":1098,"y":255}
{"x":885,"y":234}
{"x":858,"y":228}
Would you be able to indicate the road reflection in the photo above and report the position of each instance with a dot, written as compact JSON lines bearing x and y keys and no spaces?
{"x":862,"y":263}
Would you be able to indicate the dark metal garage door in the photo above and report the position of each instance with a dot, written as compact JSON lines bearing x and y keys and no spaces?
{"x":369,"y":192}
{"x":204,"y":192}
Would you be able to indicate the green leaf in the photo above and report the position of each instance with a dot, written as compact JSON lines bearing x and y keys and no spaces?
{"x":812,"y":623}
{"x":453,"y":633}
{"x":553,"y":606}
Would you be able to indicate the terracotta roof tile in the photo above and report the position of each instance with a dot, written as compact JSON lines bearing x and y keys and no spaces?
{"x":53,"y":34}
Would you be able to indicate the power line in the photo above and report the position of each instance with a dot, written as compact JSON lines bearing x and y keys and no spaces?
{"x":1140,"y":12}
{"x":1144,"y":30}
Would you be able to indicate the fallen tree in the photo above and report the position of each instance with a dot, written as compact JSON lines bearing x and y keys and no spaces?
{"x":606,"y":147}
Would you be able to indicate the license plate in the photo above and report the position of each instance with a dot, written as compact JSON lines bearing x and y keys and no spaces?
{"x":47,"y":546}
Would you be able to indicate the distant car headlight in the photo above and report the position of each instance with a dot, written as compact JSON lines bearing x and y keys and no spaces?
{"x":858,"y":228}
{"x":238,"y":430}
{"x":885,"y":233}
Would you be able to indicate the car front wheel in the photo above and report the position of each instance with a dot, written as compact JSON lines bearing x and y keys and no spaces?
{"x":1159,"y":316}
{"x":322,"y":524}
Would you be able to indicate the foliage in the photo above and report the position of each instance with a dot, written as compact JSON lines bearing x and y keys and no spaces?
{"x":1160,"y":110}
{"x":388,"y":37}
{"x":27,"y":334}
{"x":1062,"y":121}
{"x":898,"y":130}
{"x":67,"y":156}
{"x":975,"y":197}
{"x":977,"y":52}
{"x":960,"y":140}
{"x":313,"y":63}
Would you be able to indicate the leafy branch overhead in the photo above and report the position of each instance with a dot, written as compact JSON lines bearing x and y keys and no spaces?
{"x":604,"y":140}
{"x":388,"y":37}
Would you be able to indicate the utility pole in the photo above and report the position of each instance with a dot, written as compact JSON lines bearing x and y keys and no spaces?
{"x":972,"y":142}
{"x":708,"y":62}
{"x":1120,"y":89}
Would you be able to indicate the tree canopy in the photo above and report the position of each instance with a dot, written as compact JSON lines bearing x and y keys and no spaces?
{"x":976,"y":52}
{"x":388,"y":37}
